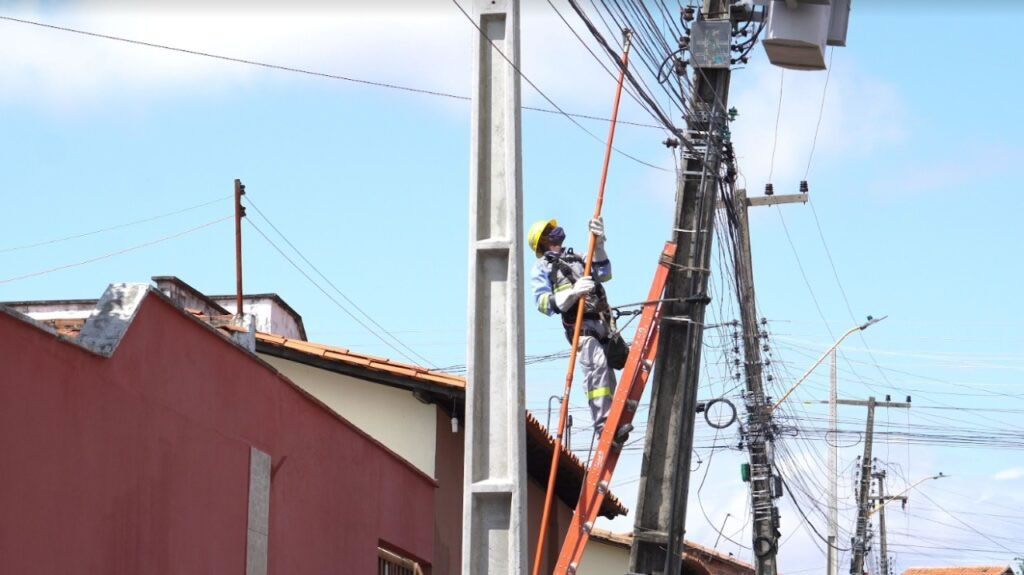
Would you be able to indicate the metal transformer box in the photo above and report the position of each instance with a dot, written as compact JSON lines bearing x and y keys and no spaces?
{"x":798,"y":31}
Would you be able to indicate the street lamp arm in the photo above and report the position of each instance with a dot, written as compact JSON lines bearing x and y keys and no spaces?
{"x":861,"y":327}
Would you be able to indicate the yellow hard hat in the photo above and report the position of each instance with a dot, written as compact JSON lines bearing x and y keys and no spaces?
{"x":536,"y":231}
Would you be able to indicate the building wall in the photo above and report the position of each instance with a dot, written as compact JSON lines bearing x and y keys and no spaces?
{"x":558,"y":525}
{"x":448,"y":497}
{"x":270,"y":317}
{"x":390,"y":415}
{"x":601,"y":558}
{"x":139,"y":463}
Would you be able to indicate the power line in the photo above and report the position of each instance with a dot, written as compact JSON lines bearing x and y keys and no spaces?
{"x":821,"y":111}
{"x":111,"y":228}
{"x":778,"y":115}
{"x":335,"y":288}
{"x":295,"y":70}
{"x":117,"y":253}
{"x":545,"y":96}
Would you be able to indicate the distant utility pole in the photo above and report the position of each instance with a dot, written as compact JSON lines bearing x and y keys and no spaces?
{"x":494,"y":477}
{"x":881,"y":497}
{"x":239,"y":214}
{"x":759,"y":419}
{"x":833,"y":471}
{"x":860,"y":542}
{"x":665,"y":472}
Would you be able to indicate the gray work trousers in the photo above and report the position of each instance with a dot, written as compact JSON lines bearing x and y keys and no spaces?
{"x":598,"y":378}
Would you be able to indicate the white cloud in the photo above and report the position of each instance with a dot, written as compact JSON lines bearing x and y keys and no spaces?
{"x":428,"y":46}
{"x":1011,"y":473}
{"x":861,"y":114}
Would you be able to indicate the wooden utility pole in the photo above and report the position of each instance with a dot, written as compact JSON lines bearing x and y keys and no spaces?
{"x":880,"y":476}
{"x":239,"y":214}
{"x":668,"y":445}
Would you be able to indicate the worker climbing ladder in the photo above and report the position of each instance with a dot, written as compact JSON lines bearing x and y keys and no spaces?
{"x":624,"y":407}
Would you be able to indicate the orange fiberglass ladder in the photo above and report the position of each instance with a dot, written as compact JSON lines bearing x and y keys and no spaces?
{"x":624,"y":406}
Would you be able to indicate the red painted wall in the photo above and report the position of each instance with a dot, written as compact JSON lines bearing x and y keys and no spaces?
{"x":139,"y":463}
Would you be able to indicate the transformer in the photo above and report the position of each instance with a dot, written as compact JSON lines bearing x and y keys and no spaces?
{"x":798,"y":31}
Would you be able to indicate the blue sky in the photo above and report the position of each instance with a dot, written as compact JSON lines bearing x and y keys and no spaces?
{"x":913,"y":184}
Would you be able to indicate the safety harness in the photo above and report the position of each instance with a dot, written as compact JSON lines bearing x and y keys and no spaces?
{"x":600,"y":312}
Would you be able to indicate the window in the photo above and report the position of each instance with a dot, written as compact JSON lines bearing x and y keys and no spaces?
{"x":389,"y":563}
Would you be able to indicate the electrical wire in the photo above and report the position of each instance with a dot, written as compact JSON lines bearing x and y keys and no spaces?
{"x":526,"y":79}
{"x":296,"y":70}
{"x":335,"y":288}
{"x":111,"y":228}
{"x":821,"y":112}
{"x":778,"y":115}
{"x":117,"y":253}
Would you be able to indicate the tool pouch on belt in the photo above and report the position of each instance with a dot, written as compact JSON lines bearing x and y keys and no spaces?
{"x":616,"y":351}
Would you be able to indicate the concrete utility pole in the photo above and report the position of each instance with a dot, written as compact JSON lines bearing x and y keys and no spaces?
{"x":880,"y":476}
{"x":860,"y":542}
{"x":494,"y":504}
{"x":759,"y":419}
{"x":833,"y":471}
{"x":668,"y":445}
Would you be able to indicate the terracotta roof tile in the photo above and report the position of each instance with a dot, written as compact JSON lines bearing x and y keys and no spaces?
{"x":571,"y":470}
{"x":690,"y":548}
{"x":381,"y":364}
{"x":347,"y":358}
{"x":962,"y":570}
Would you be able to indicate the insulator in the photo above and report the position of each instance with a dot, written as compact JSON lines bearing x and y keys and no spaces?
{"x":803,"y":187}
{"x":770,"y":378}
{"x":767,"y":362}
{"x":765,"y":347}
{"x":764,"y":321}
{"x":688,"y":14}
{"x":769,"y":190}
{"x":736,"y":375}
{"x":735,"y":349}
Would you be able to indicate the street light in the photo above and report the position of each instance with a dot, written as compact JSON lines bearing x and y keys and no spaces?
{"x":871,"y":321}
{"x":882,"y":503}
